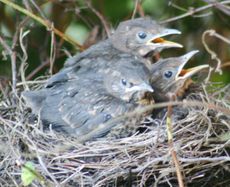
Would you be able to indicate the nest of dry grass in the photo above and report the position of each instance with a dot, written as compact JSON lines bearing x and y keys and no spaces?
{"x":200,"y":139}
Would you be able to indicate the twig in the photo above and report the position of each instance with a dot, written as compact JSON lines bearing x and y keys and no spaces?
{"x":39,"y":68}
{"x":171,"y":144}
{"x":31,"y":82}
{"x":219,"y":6}
{"x":177,"y":6}
{"x":205,"y":159}
{"x":226,"y":64}
{"x":52,"y":51}
{"x":38,"y":9}
{"x":26,"y":3}
{"x":135,"y":9}
{"x":13,"y":62}
{"x":211,"y":52}
{"x":92,"y":38}
{"x":140,"y":111}
{"x":100,"y":16}
{"x":214,"y":33}
{"x":46,"y":23}
{"x":13,"y":55}
{"x":138,"y":8}
{"x":5,"y":46}
{"x":24,"y":135}
{"x":25,"y":55}
{"x":192,"y":11}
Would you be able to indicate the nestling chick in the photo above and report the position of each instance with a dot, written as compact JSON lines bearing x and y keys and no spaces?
{"x":138,"y":37}
{"x":169,"y":76}
{"x":83,"y":104}
{"x":142,"y":36}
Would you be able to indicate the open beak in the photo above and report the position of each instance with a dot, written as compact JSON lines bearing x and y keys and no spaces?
{"x":158,"y":40}
{"x":185,"y":73}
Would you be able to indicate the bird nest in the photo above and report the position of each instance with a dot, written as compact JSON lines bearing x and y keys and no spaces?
{"x":200,"y":144}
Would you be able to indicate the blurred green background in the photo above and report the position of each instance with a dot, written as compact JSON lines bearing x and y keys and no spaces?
{"x":81,"y":20}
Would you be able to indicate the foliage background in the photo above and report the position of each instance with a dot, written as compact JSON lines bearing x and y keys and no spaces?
{"x":86,"y":22}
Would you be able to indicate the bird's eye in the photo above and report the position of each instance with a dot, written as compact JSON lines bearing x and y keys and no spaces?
{"x":131,"y":84}
{"x":168,"y":74}
{"x":142,"y":35}
{"x":123,"y":81}
{"x":107,"y":117}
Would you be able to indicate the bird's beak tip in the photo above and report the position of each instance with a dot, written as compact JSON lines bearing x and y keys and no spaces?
{"x":167,"y":43}
{"x":144,"y":87}
{"x":147,"y":87}
{"x":171,"y":31}
{"x":189,"y":55}
{"x":151,"y":90}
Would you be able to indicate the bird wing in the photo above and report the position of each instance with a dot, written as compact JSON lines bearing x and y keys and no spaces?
{"x":100,"y":49}
{"x":96,"y":59}
{"x":79,"y":107}
{"x":87,"y":108}
{"x":34,"y":99}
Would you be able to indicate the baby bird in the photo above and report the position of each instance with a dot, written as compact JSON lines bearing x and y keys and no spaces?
{"x":107,"y":80}
{"x":142,"y":36}
{"x":81,"y":106}
{"x":134,"y":38}
{"x":169,"y":75}
{"x":139,"y":37}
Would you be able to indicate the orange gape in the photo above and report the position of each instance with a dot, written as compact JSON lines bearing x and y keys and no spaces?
{"x":183,"y":72}
{"x":181,"y":91}
{"x":158,"y":40}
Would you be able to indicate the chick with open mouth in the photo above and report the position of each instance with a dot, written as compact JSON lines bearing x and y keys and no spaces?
{"x":142,"y":36}
{"x":170,"y":76}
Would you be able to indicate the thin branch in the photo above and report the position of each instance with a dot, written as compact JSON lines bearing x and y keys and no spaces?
{"x":10,"y":52}
{"x":214,"y":33}
{"x":101,"y":17}
{"x":140,"y":10}
{"x":25,"y":55}
{"x":38,"y":9}
{"x":171,"y":144}
{"x":205,"y":159}
{"x":46,"y":23}
{"x":219,"y":6}
{"x":31,"y":82}
{"x":226,"y":64}
{"x":135,"y":9}
{"x":211,"y":52}
{"x":26,"y":3}
{"x":5,"y":46}
{"x":14,"y":71}
{"x":13,"y":60}
{"x":146,"y":109}
{"x":52,"y":52}
{"x":193,"y":11}
{"x":39,"y":68}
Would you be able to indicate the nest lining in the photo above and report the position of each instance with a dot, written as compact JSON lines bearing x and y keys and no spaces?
{"x":142,"y":159}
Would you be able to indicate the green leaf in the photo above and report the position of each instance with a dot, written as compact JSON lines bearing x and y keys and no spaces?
{"x":78,"y":32}
{"x":28,"y":173}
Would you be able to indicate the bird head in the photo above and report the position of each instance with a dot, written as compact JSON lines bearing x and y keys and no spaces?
{"x":142,"y":36}
{"x":128,"y":81}
{"x":169,"y":75}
